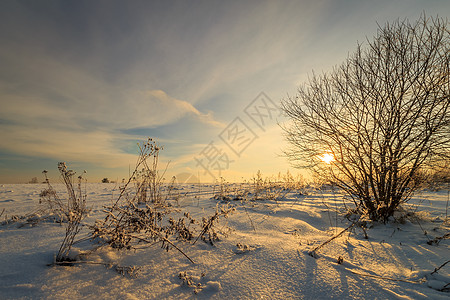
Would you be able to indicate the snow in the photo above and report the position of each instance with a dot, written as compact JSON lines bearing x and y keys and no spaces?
{"x":263,"y":252}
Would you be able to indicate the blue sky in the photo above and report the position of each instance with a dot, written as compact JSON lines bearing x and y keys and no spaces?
{"x":84,"y":81}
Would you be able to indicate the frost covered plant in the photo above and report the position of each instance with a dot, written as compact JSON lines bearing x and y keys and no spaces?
{"x":181,"y":228}
{"x":75,"y":210}
{"x":209,"y":233}
{"x":271,"y":188}
{"x":53,"y":209}
{"x":186,"y":279}
{"x":223,"y":192}
{"x":143,"y":217}
{"x":148,"y":180}
{"x":243,"y":248}
{"x":140,"y":216}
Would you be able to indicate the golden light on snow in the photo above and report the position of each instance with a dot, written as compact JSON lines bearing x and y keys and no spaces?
{"x":327,"y":158}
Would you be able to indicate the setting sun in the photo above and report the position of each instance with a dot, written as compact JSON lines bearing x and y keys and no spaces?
{"x":327,"y":158}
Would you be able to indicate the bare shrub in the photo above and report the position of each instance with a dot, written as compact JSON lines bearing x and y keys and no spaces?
{"x":380,"y":118}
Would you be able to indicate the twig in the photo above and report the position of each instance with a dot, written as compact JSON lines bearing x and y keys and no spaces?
{"x":437,"y":269}
{"x":424,"y":231}
{"x":313,"y":252}
{"x":445,"y":287}
{"x":365,"y":232}
{"x":181,"y":251}
{"x":167,"y":241}
{"x":438,"y":239}
{"x":385,"y":278}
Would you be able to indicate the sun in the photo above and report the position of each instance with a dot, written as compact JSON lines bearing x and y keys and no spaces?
{"x":327,"y":158}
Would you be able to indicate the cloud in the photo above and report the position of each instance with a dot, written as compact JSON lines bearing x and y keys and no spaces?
{"x":37,"y":127}
{"x":165,"y":109}
{"x":96,"y":147}
{"x":55,"y":109}
{"x":65,"y":90}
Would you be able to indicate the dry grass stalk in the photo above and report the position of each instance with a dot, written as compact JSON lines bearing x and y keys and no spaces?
{"x":144,"y":216}
{"x":75,"y":211}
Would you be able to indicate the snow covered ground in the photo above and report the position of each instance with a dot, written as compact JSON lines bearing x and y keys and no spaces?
{"x":263,"y":253}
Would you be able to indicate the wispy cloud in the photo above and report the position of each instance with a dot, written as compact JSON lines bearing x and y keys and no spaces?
{"x":174,"y":109}
{"x":37,"y":127}
{"x":55,"y":109}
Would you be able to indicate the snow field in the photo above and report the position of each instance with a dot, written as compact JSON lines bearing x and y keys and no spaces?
{"x":263,"y":252}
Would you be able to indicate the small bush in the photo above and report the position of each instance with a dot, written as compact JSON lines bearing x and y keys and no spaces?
{"x":142,"y":214}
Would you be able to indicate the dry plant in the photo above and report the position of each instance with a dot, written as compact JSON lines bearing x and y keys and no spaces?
{"x":291,"y":182}
{"x":29,"y":219}
{"x":143,"y":217}
{"x":148,"y":180}
{"x":52,"y":208}
{"x":272,"y":188}
{"x":224,"y":192}
{"x":259,"y":188}
{"x":208,"y":233}
{"x":75,"y":210}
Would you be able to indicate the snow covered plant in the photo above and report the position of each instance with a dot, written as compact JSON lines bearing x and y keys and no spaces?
{"x":142,"y":215}
{"x":75,"y":209}
{"x":51,"y":208}
{"x":208,"y":233}
{"x":148,"y":180}
{"x":272,"y":188}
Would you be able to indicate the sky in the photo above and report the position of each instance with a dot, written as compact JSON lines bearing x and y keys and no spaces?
{"x":85,"y":81}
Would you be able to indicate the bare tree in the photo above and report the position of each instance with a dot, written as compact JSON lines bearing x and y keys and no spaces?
{"x":381,"y":117}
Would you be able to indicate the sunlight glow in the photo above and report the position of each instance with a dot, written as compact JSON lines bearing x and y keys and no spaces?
{"x":327,"y":158}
